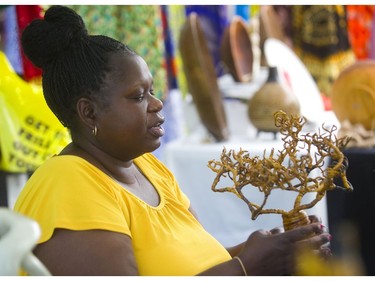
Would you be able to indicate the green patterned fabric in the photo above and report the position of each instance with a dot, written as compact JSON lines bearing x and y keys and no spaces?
{"x":138,"y":26}
{"x":177,"y":18}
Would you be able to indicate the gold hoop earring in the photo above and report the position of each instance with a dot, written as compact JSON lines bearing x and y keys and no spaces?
{"x":95,"y":131}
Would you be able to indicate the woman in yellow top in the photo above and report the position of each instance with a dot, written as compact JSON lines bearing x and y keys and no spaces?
{"x":106,"y":206}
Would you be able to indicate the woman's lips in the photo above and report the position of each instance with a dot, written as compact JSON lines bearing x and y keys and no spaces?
{"x":157,"y":131}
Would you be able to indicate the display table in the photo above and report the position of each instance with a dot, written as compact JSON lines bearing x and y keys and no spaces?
{"x":224,"y":215}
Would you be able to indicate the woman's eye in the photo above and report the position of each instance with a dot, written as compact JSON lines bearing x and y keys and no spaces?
{"x":140,"y":98}
{"x":152,"y":92}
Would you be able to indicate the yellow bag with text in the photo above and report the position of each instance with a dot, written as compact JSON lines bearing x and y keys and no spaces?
{"x":29,"y":131}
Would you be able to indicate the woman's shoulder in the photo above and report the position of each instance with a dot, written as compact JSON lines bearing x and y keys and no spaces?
{"x":60,"y":163}
{"x":64,"y":174}
{"x":55,"y":176}
{"x":64,"y":168}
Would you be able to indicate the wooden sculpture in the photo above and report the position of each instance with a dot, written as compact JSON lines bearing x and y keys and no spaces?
{"x":269,"y":173}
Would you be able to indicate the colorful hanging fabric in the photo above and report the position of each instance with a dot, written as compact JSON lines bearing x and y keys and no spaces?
{"x":11,"y":40}
{"x":213,"y":19}
{"x":169,"y":49}
{"x":360,"y":20}
{"x":138,"y":26}
{"x":176,"y":18}
{"x":26,"y":14}
{"x":254,"y":10}
{"x":372,"y":39}
{"x":320,"y":39}
{"x":243,"y":11}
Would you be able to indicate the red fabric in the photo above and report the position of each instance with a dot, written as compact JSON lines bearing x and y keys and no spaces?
{"x":26,"y":14}
{"x":360,"y":19}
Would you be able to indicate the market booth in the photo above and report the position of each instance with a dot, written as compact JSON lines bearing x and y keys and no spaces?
{"x":217,"y":61}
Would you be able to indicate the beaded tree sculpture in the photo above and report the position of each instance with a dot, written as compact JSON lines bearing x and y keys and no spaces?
{"x":269,"y":173}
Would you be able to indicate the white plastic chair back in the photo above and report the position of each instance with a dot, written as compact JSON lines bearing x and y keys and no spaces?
{"x":18,"y":236}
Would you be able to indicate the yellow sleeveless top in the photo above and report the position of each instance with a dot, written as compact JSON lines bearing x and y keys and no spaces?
{"x":68,"y":192}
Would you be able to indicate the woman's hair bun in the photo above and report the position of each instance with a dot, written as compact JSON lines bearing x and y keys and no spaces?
{"x":45,"y":39}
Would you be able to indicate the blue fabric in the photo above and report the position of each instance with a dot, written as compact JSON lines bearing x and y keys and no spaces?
{"x":12,"y":43}
{"x":169,"y":49}
{"x":243,"y":11}
{"x":213,"y":20}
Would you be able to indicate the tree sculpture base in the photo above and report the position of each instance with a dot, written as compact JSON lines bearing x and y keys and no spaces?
{"x":295,"y":219}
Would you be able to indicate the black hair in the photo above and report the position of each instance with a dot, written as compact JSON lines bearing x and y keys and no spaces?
{"x":74,"y":63}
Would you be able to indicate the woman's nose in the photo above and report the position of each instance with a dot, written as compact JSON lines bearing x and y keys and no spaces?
{"x":155,"y":104}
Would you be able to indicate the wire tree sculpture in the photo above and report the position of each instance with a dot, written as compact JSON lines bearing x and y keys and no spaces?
{"x":304,"y":153}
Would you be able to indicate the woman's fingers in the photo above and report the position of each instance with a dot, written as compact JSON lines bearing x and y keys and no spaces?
{"x":316,"y":242}
{"x":277,"y":230}
{"x":304,"y":232}
{"x":315,"y":219}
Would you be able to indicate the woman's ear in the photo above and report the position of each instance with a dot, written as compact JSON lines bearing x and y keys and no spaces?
{"x":86,"y":111}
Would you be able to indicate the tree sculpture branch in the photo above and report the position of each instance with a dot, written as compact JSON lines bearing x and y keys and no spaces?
{"x":304,"y":153}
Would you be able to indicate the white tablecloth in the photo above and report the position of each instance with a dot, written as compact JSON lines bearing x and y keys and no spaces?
{"x":224,"y":215}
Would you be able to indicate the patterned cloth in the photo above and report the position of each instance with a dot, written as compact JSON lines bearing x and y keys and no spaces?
{"x":320,"y":39}
{"x":243,"y":11}
{"x":138,"y":26}
{"x":11,"y":40}
{"x":176,"y":19}
{"x":169,"y":49}
{"x":372,"y":39}
{"x":360,"y":20}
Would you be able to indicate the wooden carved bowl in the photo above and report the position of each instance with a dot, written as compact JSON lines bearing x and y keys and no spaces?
{"x":236,"y":50}
{"x":201,"y":78}
{"x":353,"y":94}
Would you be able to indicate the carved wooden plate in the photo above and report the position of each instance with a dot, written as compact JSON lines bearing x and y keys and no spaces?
{"x":236,"y":50}
{"x":201,"y":78}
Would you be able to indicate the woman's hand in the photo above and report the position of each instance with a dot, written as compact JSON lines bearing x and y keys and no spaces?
{"x":324,"y":251}
{"x":267,"y":253}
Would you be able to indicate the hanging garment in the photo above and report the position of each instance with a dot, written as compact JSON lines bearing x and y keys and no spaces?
{"x":320,"y":39}
{"x":177,"y":18}
{"x":243,"y":11}
{"x":10,"y":39}
{"x":360,"y":18}
{"x":372,"y":39}
{"x":169,"y":49}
